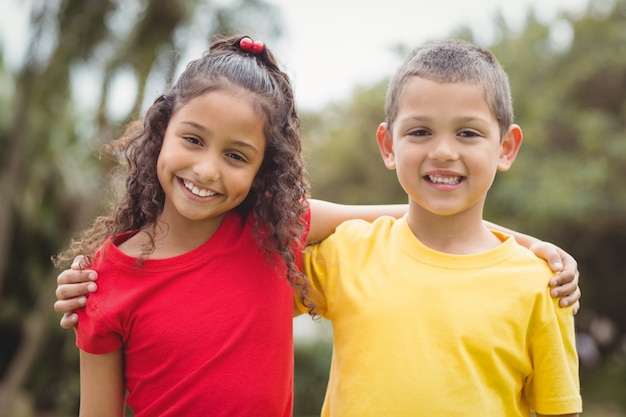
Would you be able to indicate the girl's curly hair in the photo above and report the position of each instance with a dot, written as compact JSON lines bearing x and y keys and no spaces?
{"x":277,"y":199}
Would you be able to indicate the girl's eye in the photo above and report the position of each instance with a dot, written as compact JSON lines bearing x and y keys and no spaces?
{"x":236,"y":156}
{"x":192,"y":140}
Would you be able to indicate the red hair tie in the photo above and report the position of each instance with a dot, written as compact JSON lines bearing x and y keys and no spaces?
{"x":255,"y":47}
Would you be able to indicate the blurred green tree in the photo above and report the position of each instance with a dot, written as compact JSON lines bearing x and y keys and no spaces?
{"x":341,"y":151}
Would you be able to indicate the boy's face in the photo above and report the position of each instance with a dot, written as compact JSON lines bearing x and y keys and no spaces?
{"x":445,"y":146}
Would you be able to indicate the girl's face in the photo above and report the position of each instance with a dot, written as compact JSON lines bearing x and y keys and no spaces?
{"x":212,"y":150}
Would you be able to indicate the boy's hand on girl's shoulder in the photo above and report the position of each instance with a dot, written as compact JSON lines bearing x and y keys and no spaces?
{"x":73,"y":286}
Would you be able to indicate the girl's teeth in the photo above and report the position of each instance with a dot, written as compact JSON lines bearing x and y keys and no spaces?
{"x":195,"y":190}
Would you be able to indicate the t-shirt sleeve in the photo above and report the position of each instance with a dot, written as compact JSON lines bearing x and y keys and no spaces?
{"x":554,"y":386}
{"x":320,"y":264}
{"x":96,"y":332}
{"x":93,"y":335}
{"x":314,"y":270}
{"x":303,"y":259}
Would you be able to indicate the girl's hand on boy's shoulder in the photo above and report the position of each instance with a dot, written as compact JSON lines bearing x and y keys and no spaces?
{"x":565,"y":283}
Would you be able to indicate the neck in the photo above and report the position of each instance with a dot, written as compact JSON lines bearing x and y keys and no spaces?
{"x":174,"y":235}
{"x":458,"y":234}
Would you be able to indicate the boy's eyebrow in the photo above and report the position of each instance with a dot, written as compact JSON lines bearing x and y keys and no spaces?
{"x":472,"y":118}
{"x":205,"y":130}
{"x":417,"y":118}
{"x":463,"y":119}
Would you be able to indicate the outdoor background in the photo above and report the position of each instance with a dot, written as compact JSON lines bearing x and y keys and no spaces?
{"x":74,"y":72}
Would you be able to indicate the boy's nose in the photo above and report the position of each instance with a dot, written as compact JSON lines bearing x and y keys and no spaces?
{"x":443,"y":150}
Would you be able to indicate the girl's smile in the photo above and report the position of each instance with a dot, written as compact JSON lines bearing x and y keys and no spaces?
{"x":197,"y":191}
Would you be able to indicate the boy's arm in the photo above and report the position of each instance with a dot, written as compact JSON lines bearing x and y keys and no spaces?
{"x":565,"y":283}
{"x":102,"y":392}
{"x":326,"y":216}
{"x":73,"y":286}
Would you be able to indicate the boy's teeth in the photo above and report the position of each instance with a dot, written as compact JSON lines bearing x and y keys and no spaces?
{"x":444,"y":180}
{"x":195,"y":190}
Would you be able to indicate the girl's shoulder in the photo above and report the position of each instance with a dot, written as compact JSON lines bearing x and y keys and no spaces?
{"x":132,"y":243}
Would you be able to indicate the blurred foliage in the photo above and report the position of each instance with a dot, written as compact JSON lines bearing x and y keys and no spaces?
{"x":312,"y":362}
{"x":342,"y":154}
{"x":568,"y":78}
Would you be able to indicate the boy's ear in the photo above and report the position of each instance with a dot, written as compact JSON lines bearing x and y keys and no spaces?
{"x":385,"y":145}
{"x":509,"y":147}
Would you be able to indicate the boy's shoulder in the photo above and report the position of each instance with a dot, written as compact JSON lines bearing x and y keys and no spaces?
{"x":358,"y":229}
{"x":524,"y":263}
{"x":518,"y":251}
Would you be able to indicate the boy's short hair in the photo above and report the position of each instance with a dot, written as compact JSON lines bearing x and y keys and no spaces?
{"x":451,"y":61}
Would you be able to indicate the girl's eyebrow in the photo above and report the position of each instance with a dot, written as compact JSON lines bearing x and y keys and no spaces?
{"x":205,"y":130}
{"x":195,"y":125}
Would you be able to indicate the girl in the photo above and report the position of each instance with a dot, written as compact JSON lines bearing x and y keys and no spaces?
{"x":212,"y":220}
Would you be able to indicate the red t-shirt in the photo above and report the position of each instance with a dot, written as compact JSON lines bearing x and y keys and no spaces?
{"x":206,"y":333}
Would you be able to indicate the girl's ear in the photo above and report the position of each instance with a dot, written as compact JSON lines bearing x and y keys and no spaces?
{"x":385,"y":145}
{"x":509,"y":146}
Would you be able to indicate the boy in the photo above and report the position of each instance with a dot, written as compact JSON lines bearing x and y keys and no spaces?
{"x":434,"y":314}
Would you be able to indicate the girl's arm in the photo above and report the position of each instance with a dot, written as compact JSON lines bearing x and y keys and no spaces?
{"x":102,"y":392}
{"x":326,"y":216}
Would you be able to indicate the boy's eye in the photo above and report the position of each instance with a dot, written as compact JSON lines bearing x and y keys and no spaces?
{"x":468,"y":134}
{"x":418,"y":132}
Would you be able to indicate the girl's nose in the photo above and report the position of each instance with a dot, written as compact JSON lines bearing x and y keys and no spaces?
{"x":207,"y":169}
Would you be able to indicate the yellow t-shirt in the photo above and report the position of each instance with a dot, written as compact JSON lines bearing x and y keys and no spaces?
{"x":423,"y":333}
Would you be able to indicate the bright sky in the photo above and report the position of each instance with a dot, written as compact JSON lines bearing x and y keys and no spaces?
{"x":332,"y":45}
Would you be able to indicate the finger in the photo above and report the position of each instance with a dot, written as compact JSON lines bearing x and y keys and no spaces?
{"x":565,"y":277}
{"x":68,"y":321}
{"x":70,"y":291}
{"x":571,"y":299}
{"x":576,"y":307}
{"x":569,"y":263}
{"x":72,"y":276}
{"x":80,"y":262}
{"x":568,"y":290}
{"x":68,"y":306}
{"x":555,"y":261}
{"x":550,"y":253}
